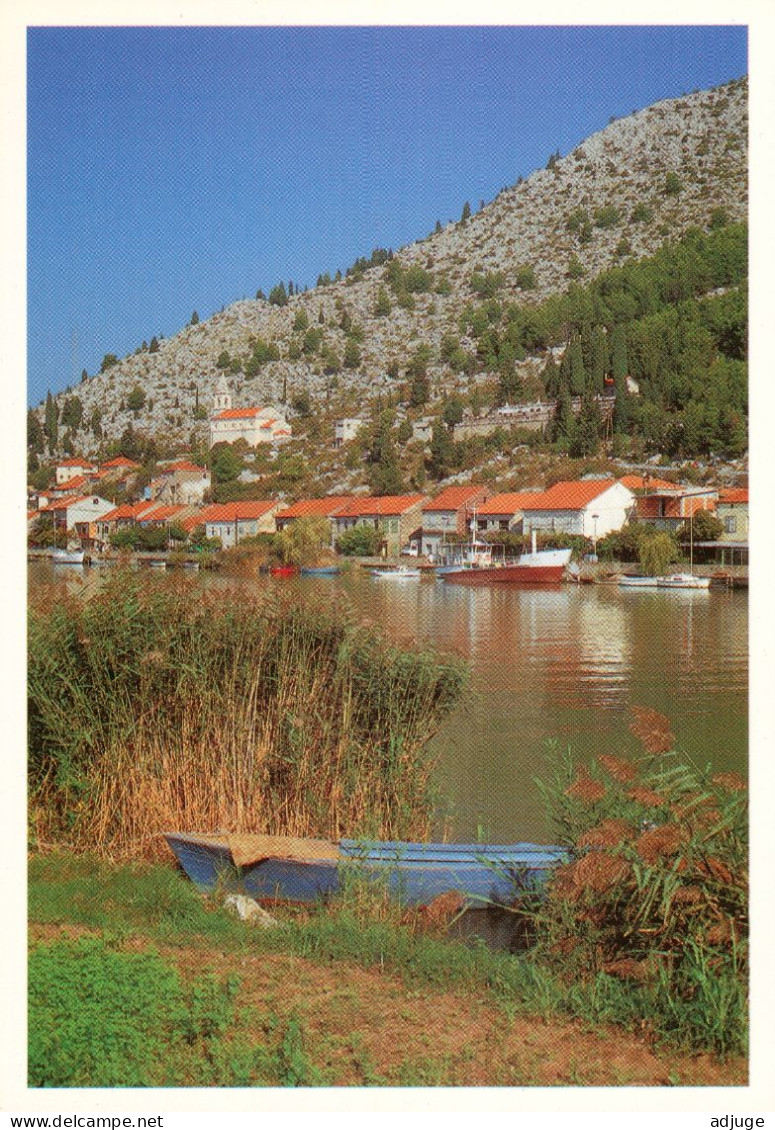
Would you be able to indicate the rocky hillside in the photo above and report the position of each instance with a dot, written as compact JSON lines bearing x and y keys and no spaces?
{"x":621,"y":193}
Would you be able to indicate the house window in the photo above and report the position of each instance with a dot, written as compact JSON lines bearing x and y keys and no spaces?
{"x":730,"y":523}
{"x":503,"y":524}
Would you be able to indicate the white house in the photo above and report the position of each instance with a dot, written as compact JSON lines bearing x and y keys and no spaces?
{"x":590,"y":507}
{"x":181,"y":483}
{"x":254,"y":425}
{"x":346,"y":429}
{"x":74,"y":468}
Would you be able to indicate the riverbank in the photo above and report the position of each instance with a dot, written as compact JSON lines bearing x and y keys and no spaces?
{"x":348,"y":995}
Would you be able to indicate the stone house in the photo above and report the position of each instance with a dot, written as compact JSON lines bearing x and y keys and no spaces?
{"x":347,"y":429}
{"x":327,"y":507}
{"x":181,"y":484}
{"x":504,"y":512}
{"x":232,"y":522}
{"x":399,"y":517}
{"x":732,"y":511}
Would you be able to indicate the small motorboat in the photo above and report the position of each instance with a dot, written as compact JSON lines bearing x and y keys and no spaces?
{"x":400,"y":573}
{"x":671,"y":581}
{"x":683,"y":581}
{"x":305,"y":870}
{"x":68,"y":556}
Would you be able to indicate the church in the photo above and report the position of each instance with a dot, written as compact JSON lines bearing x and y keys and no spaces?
{"x":254,"y":425}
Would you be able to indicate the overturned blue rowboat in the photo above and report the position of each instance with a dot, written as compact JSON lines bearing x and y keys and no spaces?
{"x":320,"y":570}
{"x":307,"y":870}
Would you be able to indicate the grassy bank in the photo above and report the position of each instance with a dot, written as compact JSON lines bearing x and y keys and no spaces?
{"x":158,"y":706}
{"x":130,"y":957}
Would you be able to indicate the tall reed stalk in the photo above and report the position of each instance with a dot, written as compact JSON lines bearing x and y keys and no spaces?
{"x":158,"y":707}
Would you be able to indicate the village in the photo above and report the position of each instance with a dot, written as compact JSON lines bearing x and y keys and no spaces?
{"x":172,"y":515}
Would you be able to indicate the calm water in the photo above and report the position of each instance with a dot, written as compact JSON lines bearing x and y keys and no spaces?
{"x":564,"y":665}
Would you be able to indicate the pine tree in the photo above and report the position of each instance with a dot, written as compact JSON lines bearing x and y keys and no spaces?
{"x":551,"y":378}
{"x":51,"y":422}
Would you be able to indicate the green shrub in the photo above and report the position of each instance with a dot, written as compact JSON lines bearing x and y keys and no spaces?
{"x":655,"y":892}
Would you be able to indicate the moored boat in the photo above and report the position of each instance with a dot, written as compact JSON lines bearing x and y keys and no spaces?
{"x":671,"y":581}
{"x":320,"y":570}
{"x":633,"y":581}
{"x":305,"y":870}
{"x":401,"y":573}
{"x":683,"y":581}
{"x":284,"y":570}
{"x":68,"y":556}
{"x":539,"y":567}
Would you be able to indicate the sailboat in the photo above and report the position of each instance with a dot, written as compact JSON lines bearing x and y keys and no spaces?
{"x":670,"y":580}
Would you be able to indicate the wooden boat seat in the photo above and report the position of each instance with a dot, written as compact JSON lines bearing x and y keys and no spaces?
{"x":247,"y":848}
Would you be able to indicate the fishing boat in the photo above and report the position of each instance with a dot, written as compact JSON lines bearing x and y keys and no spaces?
{"x":401,"y":573}
{"x":68,"y":556}
{"x":306,"y":870}
{"x":538,"y":567}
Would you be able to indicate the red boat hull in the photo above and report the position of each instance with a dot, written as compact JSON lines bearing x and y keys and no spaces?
{"x":284,"y":570}
{"x":508,"y":575}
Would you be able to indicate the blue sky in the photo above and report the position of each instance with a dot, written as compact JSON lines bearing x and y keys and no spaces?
{"x":173,"y":170}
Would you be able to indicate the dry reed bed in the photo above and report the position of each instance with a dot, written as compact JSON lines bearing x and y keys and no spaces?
{"x":156,"y":706}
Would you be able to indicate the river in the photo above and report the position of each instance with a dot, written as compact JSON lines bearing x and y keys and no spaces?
{"x":562,"y":666}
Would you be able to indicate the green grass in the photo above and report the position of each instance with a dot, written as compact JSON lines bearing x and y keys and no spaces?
{"x":99,"y":1017}
{"x":705,"y":1010}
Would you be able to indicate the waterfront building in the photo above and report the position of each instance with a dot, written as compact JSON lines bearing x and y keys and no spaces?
{"x":589,"y":507}
{"x":232,"y":522}
{"x":448,"y":514}
{"x":399,"y":517}
{"x":327,"y":507}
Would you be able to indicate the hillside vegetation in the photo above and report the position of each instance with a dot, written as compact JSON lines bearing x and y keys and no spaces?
{"x":625,"y":257}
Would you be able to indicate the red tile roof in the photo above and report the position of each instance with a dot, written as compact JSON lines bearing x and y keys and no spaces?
{"x":733,"y":494}
{"x":181,"y":465}
{"x":66,"y":503}
{"x":381,"y":505}
{"x":452,"y":498}
{"x":160,"y":514}
{"x":236,"y":511}
{"x":308,"y":507}
{"x":75,"y":463}
{"x":75,"y":483}
{"x":508,"y":503}
{"x":128,"y":510}
{"x":238,"y":414}
{"x":645,"y":482}
{"x":119,"y":461}
{"x":573,"y":495}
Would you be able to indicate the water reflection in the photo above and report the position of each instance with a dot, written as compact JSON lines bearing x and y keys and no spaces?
{"x":563,"y":664}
